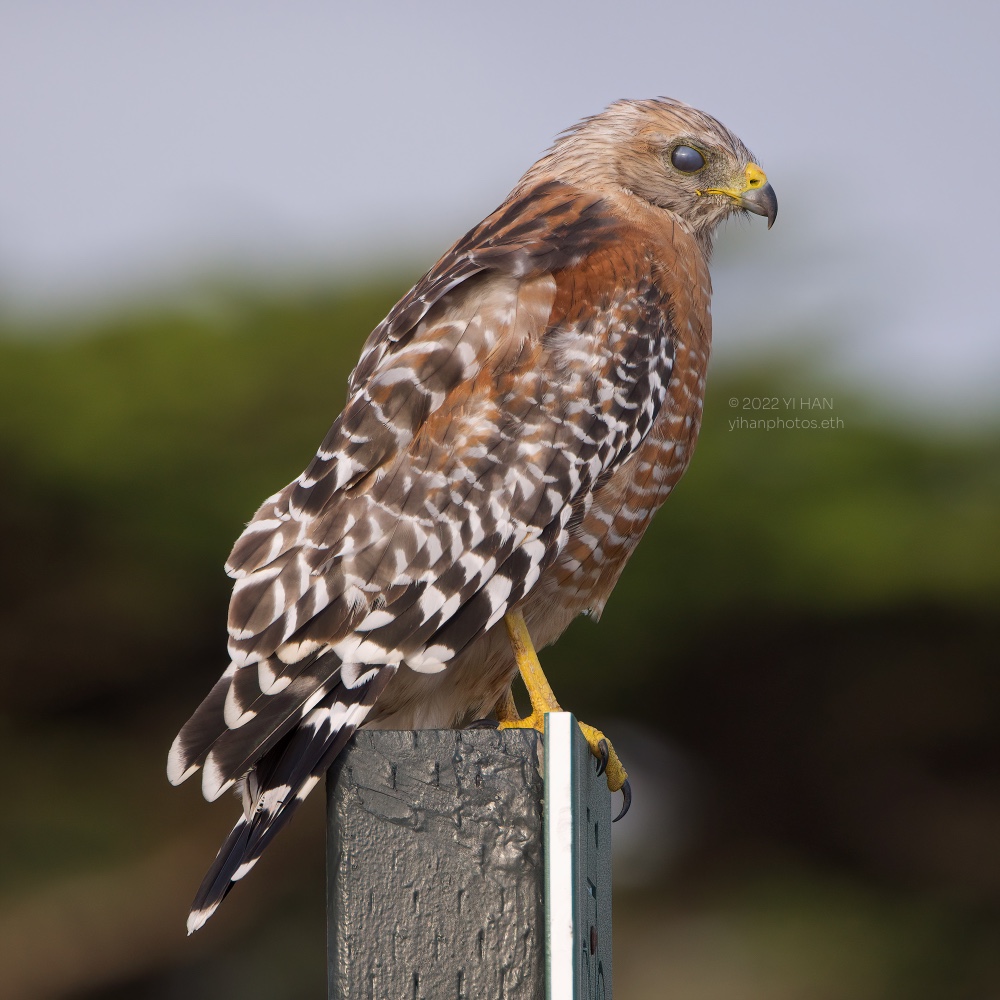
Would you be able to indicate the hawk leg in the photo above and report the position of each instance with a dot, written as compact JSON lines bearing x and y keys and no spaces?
{"x":506,"y":709}
{"x":543,"y":700}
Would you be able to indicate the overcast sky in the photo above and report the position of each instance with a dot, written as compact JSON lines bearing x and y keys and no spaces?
{"x":142,"y":142}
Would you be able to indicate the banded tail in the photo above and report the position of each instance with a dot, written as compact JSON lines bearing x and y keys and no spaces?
{"x":296,"y":756}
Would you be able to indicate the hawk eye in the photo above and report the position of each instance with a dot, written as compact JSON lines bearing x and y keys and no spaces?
{"x":687,"y":160}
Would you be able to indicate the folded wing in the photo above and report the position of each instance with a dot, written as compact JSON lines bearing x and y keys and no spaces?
{"x":528,"y":364}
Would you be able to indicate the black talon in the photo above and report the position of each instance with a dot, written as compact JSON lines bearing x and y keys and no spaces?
{"x":484,"y":724}
{"x":602,"y":764}
{"x":627,"y":800}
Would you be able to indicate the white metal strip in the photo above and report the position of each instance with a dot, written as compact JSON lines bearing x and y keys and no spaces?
{"x":560,"y":863}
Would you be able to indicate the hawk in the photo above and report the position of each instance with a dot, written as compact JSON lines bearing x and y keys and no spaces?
{"x":511,"y":428}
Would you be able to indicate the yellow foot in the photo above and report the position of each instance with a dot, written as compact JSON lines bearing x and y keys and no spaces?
{"x":601,"y":748}
{"x":543,"y":700}
{"x":534,"y":721}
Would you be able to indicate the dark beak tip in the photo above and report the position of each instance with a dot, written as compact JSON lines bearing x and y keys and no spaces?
{"x":762,"y":201}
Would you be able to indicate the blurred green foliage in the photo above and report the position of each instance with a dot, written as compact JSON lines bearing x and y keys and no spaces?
{"x":811,"y":619}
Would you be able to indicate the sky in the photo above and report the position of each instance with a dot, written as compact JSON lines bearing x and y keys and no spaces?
{"x":147,"y":144}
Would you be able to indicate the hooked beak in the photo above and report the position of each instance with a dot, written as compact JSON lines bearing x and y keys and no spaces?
{"x":761,"y":201}
{"x":753,"y":194}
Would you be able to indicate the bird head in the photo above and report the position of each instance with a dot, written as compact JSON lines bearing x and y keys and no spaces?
{"x":670,"y":155}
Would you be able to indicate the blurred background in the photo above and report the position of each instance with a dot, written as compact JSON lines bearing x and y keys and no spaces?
{"x":204,"y":209}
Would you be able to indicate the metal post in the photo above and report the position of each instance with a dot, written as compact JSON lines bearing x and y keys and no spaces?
{"x":439,"y":861}
{"x":577,"y":866}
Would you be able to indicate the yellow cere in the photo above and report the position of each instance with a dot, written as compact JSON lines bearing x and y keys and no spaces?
{"x":753,"y":177}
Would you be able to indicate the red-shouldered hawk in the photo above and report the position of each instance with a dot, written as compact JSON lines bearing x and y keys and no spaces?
{"x":511,"y":427}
